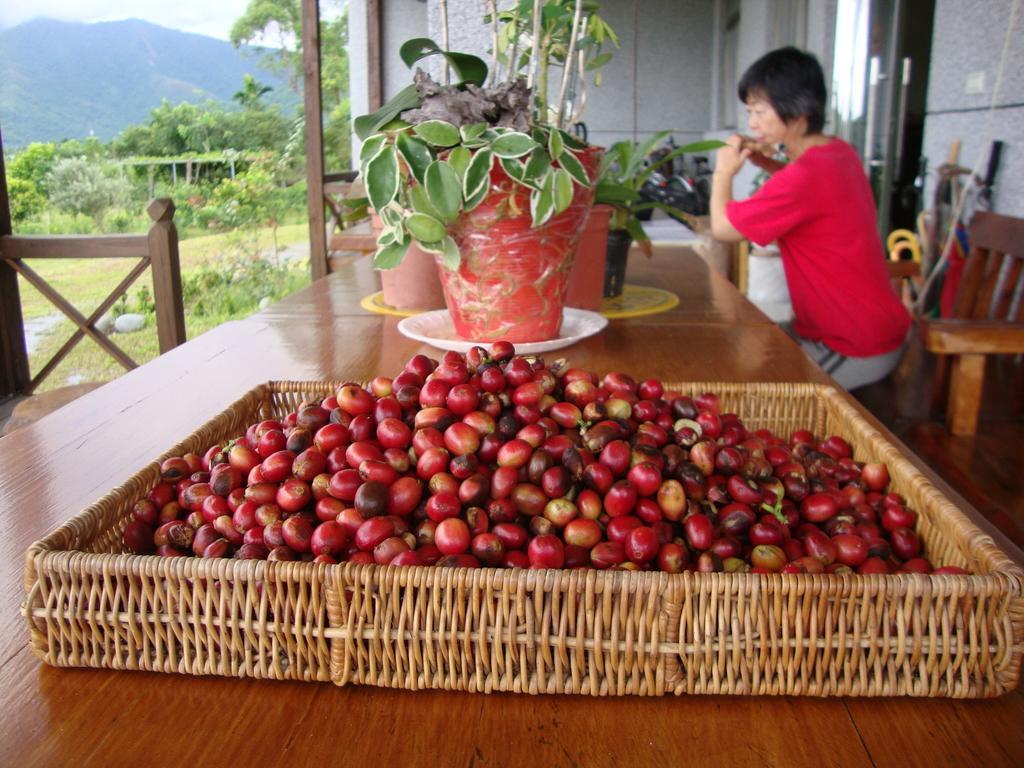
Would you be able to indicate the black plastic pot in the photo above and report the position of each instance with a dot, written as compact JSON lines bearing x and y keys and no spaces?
{"x":615,"y":264}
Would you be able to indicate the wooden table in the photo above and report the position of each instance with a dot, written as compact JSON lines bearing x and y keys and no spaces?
{"x":54,"y":468}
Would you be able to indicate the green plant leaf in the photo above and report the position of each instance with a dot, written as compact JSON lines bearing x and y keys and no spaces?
{"x":562,"y":189}
{"x":435,"y":247}
{"x":450,"y":256}
{"x":387,"y":237}
{"x":371,"y":147}
{"x":542,"y":202}
{"x":474,"y":131}
{"x":407,"y":98}
{"x":476,"y":198}
{"x":390,"y":216}
{"x":426,"y":229}
{"x":421,"y":202}
{"x":571,"y":141}
{"x":382,"y":178}
{"x":468,"y":68}
{"x":437,"y":132}
{"x":516,"y":170}
{"x":538,"y":165}
{"x":635,"y":230}
{"x":696,"y":146}
{"x":390,"y":256}
{"x":459,"y":159}
{"x":444,"y":188}
{"x":614,"y":193}
{"x":575,"y":168}
{"x":513,"y":144}
{"x":416,"y":153}
{"x":598,"y":61}
{"x":478,"y":174}
{"x":555,"y":145}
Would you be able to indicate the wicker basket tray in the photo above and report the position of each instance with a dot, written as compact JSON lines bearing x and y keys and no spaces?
{"x":587,"y":632}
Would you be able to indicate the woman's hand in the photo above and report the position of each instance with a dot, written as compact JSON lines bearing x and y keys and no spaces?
{"x":730,"y":158}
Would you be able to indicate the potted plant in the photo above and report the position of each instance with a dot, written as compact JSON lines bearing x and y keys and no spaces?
{"x":623,"y":172}
{"x":464,"y":173}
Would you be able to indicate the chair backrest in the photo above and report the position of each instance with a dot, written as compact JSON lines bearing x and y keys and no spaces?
{"x":993,"y":281}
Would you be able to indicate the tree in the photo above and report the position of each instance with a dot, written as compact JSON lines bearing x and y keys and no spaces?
{"x":33,"y":163}
{"x":26,"y":199}
{"x":252,"y":91}
{"x":280,"y":21}
{"x":78,"y":185}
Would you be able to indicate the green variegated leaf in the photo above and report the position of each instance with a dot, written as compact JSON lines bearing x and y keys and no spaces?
{"x":387,"y":237}
{"x":514,"y":168}
{"x":444,"y":188}
{"x":382,"y":178}
{"x":391,"y":216}
{"x":437,"y":247}
{"x":562,"y":189}
{"x":476,"y":143}
{"x":426,"y":229}
{"x":571,"y":141}
{"x":542,"y":203}
{"x":555,"y":145}
{"x":575,"y":168}
{"x":421,"y":202}
{"x":512,"y":144}
{"x":478,"y":174}
{"x":416,"y":153}
{"x":370,"y":148}
{"x":459,"y":159}
{"x":438,"y":133}
{"x":476,"y":198}
{"x":474,"y":131}
{"x":390,"y":256}
{"x":450,"y":254}
{"x":538,"y":165}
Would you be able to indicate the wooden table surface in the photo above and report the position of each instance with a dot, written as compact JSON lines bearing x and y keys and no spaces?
{"x":54,"y":468}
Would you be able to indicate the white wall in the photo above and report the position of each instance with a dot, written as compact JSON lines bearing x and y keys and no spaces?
{"x":968,"y":38}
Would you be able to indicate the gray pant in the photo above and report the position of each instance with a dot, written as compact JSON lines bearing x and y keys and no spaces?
{"x":849,"y":372}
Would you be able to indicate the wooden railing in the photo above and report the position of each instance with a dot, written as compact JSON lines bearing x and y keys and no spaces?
{"x":157,"y":250}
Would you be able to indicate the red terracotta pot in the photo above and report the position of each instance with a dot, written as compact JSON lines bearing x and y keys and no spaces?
{"x":586,"y":280}
{"x":512,"y":279}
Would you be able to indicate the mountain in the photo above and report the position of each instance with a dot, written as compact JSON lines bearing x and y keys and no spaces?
{"x":63,"y":80}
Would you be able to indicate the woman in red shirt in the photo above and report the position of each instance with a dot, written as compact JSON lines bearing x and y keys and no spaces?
{"x":818,"y":207}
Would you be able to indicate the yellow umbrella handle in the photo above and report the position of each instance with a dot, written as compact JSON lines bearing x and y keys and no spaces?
{"x":900,"y":240}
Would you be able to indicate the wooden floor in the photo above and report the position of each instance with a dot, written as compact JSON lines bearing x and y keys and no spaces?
{"x":987,"y":469}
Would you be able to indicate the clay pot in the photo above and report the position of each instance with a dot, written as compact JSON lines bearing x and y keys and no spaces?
{"x":586,"y":280}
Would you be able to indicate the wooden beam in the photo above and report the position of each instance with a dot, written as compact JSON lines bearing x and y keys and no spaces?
{"x":68,"y":247}
{"x":314,"y":137}
{"x":375,"y":88}
{"x":991,"y":337}
{"x":965,"y":388}
{"x":14,"y":373}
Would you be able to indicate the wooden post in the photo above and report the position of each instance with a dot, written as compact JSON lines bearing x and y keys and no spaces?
{"x":314,"y":137}
{"x":375,"y":97}
{"x":14,"y":373}
{"x":163,"y":256}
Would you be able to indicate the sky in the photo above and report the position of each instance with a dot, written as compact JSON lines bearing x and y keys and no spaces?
{"x":204,"y":17}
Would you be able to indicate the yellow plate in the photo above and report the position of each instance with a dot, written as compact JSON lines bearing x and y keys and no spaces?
{"x":638,"y":300}
{"x":635,"y":301}
{"x":375,"y":303}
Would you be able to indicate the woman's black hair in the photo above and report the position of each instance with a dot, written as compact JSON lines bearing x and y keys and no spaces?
{"x":792,"y":82}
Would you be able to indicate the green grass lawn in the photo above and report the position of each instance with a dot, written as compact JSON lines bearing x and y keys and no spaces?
{"x":86,"y":282}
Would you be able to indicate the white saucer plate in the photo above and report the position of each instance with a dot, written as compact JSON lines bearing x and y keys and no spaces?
{"x":436,"y":328}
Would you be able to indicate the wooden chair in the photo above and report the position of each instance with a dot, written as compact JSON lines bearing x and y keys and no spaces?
{"x":988,"y":316}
